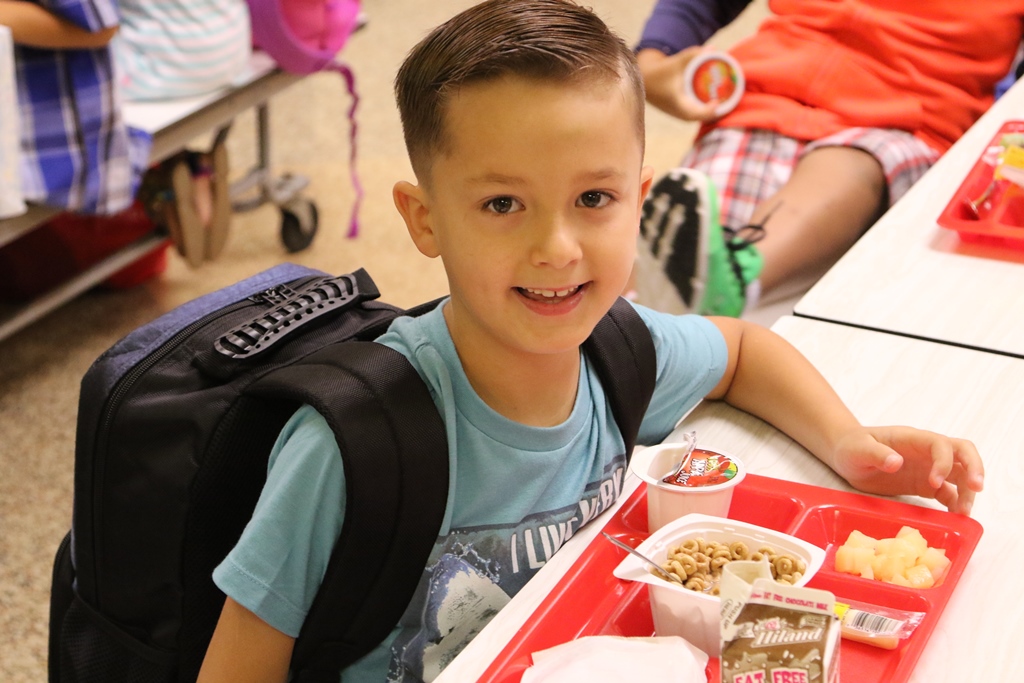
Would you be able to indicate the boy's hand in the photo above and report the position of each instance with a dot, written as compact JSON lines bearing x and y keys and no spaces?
{"x":663,"y":81}
{"x":903,"y":460}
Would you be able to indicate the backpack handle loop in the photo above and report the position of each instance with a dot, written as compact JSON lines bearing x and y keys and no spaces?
{"x":292,"y":311}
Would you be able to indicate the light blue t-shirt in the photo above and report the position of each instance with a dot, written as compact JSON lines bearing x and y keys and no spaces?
{"x":516,"y":494}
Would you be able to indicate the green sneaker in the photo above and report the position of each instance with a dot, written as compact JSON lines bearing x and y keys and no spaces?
{"x":686,"y":261}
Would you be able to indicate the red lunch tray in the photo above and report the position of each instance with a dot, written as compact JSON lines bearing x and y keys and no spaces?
{"x":590,"y":600}
{"x":1002,"y":216}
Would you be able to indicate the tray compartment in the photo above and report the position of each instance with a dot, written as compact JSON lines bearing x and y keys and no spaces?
{"x":846,"y":587}
{"x":1003,"y":223}
{"x":828,"y":527}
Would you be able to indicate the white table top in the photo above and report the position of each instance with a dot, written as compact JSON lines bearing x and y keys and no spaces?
{"x":885,"y":379}
{"x":157,"y":115}
{"x":911,"y":276}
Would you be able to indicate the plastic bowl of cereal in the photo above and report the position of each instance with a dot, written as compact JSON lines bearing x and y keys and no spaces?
{"x":693,"y":612}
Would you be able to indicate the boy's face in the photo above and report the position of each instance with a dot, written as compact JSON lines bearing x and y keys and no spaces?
{"x":534,"y":209}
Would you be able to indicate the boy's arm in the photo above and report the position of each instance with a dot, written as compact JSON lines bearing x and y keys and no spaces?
{"x":33,"y":26}
{"x":769,"y":378}
{"x":245,"y":648}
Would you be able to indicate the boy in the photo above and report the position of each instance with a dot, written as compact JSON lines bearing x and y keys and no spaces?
{"x":524,"y":123}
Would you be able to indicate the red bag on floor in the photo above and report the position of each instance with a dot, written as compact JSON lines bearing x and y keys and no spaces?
{"x":69,"y":244}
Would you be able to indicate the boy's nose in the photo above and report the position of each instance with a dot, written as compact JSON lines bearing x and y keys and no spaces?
{"x":556,"y":244}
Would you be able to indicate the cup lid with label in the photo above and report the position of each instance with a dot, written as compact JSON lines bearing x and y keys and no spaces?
{"x":706,"y":470}
{"x":715,"y":76}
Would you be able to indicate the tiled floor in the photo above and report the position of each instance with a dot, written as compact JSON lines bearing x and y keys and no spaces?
{"x":40,"y":367}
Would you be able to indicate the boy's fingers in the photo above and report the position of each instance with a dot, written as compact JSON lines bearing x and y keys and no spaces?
{"x":969,"y":459}
{"x":879,"y":456}
{"x":966,"y":471}
{"x":942,"y":462}
{"x":891,"y":462}
{"x":961,"y":479}
{"x":958,"y":500}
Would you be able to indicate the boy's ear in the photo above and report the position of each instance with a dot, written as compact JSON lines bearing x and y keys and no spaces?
{"x":646,"y":180}
{"x":411,"y":201}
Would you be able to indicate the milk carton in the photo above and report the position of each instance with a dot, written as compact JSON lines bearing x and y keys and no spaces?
{"x":776,"y":633}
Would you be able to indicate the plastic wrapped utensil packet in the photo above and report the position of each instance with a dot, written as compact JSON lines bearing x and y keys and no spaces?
{"x":876,"y":625}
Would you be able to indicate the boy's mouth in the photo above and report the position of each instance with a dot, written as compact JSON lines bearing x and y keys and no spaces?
{"x":549,"y":296}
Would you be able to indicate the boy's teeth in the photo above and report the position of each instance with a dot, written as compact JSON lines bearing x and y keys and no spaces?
{"x":551,"y":293}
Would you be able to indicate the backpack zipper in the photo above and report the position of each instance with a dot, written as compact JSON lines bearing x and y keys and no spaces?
{"x":126,"y":382}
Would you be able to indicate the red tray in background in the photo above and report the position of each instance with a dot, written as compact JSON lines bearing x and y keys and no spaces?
{"x":590,"y":600}
{"x":1003,"y":223}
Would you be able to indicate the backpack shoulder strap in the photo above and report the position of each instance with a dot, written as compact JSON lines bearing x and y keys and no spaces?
{"x":622,"y":352}
{"x":394,"y":448}
{"x":395,"y":453}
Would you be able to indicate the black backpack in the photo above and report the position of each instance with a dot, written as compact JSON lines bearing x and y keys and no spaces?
{"x":176,"y":422}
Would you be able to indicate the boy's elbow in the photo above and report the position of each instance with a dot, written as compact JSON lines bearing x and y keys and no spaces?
{"x":733,"y":332}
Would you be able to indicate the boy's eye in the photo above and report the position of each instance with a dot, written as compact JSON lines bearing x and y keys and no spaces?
{"x":503,"y":205}
{"x":593,"y":199}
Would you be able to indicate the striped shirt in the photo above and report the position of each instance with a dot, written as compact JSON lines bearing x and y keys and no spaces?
{"x":169,"y":49}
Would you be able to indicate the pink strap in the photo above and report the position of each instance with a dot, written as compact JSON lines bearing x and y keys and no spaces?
{"x":350,"y":84}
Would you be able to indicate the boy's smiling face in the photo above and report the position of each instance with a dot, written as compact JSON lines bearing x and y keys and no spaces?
{"x":534,"y":208}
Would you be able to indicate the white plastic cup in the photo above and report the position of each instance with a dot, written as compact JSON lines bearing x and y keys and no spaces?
{"x":668,"y":502}
{"x":715,"y":76}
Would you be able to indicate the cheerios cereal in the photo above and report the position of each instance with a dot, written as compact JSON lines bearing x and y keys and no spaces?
{"x":698,"y":563}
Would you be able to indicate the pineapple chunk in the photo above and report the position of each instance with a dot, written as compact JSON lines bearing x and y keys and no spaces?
{"x":936,"y":561}
{"x":896,"y":547}
{"x":919,"y":576}
{"x":853,"y":560}
{"x":856,"y":539}
{"x":914,"y":538}
{"x":898,"y":580}
{"x":885,"y":567}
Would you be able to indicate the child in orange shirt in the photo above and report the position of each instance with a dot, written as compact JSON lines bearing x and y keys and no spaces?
{"x":846,"y":105}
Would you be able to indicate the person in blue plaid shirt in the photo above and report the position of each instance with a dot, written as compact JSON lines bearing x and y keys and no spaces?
{"x":77,"y":152}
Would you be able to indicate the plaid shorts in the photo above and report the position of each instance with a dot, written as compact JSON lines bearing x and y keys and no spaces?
{"x":749,"y":166}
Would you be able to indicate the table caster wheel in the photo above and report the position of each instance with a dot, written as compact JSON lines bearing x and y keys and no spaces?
{"x":299,"y":223}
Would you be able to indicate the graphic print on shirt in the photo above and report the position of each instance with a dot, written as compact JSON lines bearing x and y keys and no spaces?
{"x":474,"y":572}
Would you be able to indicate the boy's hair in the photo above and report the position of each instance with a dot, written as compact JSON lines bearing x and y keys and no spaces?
{"x":555,"y":40}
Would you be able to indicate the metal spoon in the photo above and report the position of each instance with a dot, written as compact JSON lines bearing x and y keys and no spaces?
{"x":685,"y":461}
{"x":668,"y":576}
{"x":975,"y":205}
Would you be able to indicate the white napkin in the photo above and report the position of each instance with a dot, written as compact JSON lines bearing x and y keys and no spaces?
{"x":613,"y":659}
